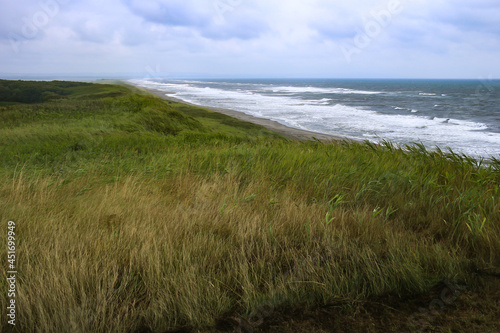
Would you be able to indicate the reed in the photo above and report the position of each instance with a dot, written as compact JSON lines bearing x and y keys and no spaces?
{"x":134,"y":213}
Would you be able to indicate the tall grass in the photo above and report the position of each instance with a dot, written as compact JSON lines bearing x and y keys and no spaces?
{"x":124,"y":226}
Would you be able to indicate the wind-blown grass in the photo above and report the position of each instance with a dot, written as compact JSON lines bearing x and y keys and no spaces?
{"x":134,"y":213}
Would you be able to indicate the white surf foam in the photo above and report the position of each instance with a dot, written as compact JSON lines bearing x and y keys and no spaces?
{"x":319,"y":90}
{"x":323,"y":116}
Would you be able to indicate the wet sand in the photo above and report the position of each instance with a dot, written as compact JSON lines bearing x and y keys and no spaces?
{"x":288,"y":132}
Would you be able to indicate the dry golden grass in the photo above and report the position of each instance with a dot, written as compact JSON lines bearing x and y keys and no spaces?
{"x":187,"y":250}
{"x":139,"y":215}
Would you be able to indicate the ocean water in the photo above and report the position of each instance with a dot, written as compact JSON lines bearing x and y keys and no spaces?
{"x":463,"y":115}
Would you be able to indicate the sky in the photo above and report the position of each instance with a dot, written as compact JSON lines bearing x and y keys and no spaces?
{"x":251,"y":38}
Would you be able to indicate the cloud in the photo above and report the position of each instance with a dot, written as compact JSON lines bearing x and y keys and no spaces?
{"x":209,"y":19}
{"x":234,"y":36}
{"x":188,"y":13}
{"x":482,"y":17}
{"x":27,"y":21}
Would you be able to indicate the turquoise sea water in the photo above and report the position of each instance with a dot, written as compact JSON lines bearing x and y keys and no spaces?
{"x":461,"y":114}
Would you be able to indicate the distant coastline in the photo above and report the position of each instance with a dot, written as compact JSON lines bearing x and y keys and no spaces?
{"x":288,"y":132}
{"x":461,"y":115}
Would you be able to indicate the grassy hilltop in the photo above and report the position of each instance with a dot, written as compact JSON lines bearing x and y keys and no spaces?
{"x":136,"y":214}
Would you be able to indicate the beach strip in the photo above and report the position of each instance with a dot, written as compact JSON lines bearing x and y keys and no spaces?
{"x":288,"y":132}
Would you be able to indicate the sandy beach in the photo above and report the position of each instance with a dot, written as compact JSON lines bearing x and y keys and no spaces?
{"x":288,"y":132}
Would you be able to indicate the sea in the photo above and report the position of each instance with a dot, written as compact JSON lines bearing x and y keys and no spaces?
{"x":461,"y":115}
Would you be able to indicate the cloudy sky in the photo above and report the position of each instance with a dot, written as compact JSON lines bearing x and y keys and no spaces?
{"x":252,"y":38}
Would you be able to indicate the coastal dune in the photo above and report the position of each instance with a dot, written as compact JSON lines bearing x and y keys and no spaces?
{"x":288,"y":132}
{"x":137,"y":214}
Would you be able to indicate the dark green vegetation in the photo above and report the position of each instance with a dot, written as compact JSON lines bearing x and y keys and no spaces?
{"x":37,"y":92}
{"x":94,"y":120}
{"x":137,"y":214}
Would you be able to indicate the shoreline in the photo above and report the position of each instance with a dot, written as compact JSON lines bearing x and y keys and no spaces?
{"x":288,"y":132}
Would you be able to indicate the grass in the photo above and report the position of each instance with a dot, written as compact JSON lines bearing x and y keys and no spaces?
{"x":135,"y":214}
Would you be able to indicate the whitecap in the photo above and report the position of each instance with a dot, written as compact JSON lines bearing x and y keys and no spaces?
{"x":319,"y":90}
{"x":461,"y":135}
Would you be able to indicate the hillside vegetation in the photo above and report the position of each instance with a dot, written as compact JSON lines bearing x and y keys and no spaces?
{"x":136,"y":214}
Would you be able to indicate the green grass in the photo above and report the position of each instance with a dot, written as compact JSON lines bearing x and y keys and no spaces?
{"x":136,"y":212}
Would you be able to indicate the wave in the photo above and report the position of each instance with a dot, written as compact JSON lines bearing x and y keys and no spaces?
{"x":323,"y":101}
{"x":326,"y":116}
{"x":319,"y":90}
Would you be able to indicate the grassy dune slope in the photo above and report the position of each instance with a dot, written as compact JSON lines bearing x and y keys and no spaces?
{"x":135,"y":214}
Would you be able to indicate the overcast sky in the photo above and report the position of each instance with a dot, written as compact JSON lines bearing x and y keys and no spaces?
{"x":252,"y":38}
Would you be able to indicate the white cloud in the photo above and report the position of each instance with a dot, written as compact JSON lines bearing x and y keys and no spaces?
{"x":257,"y":38}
